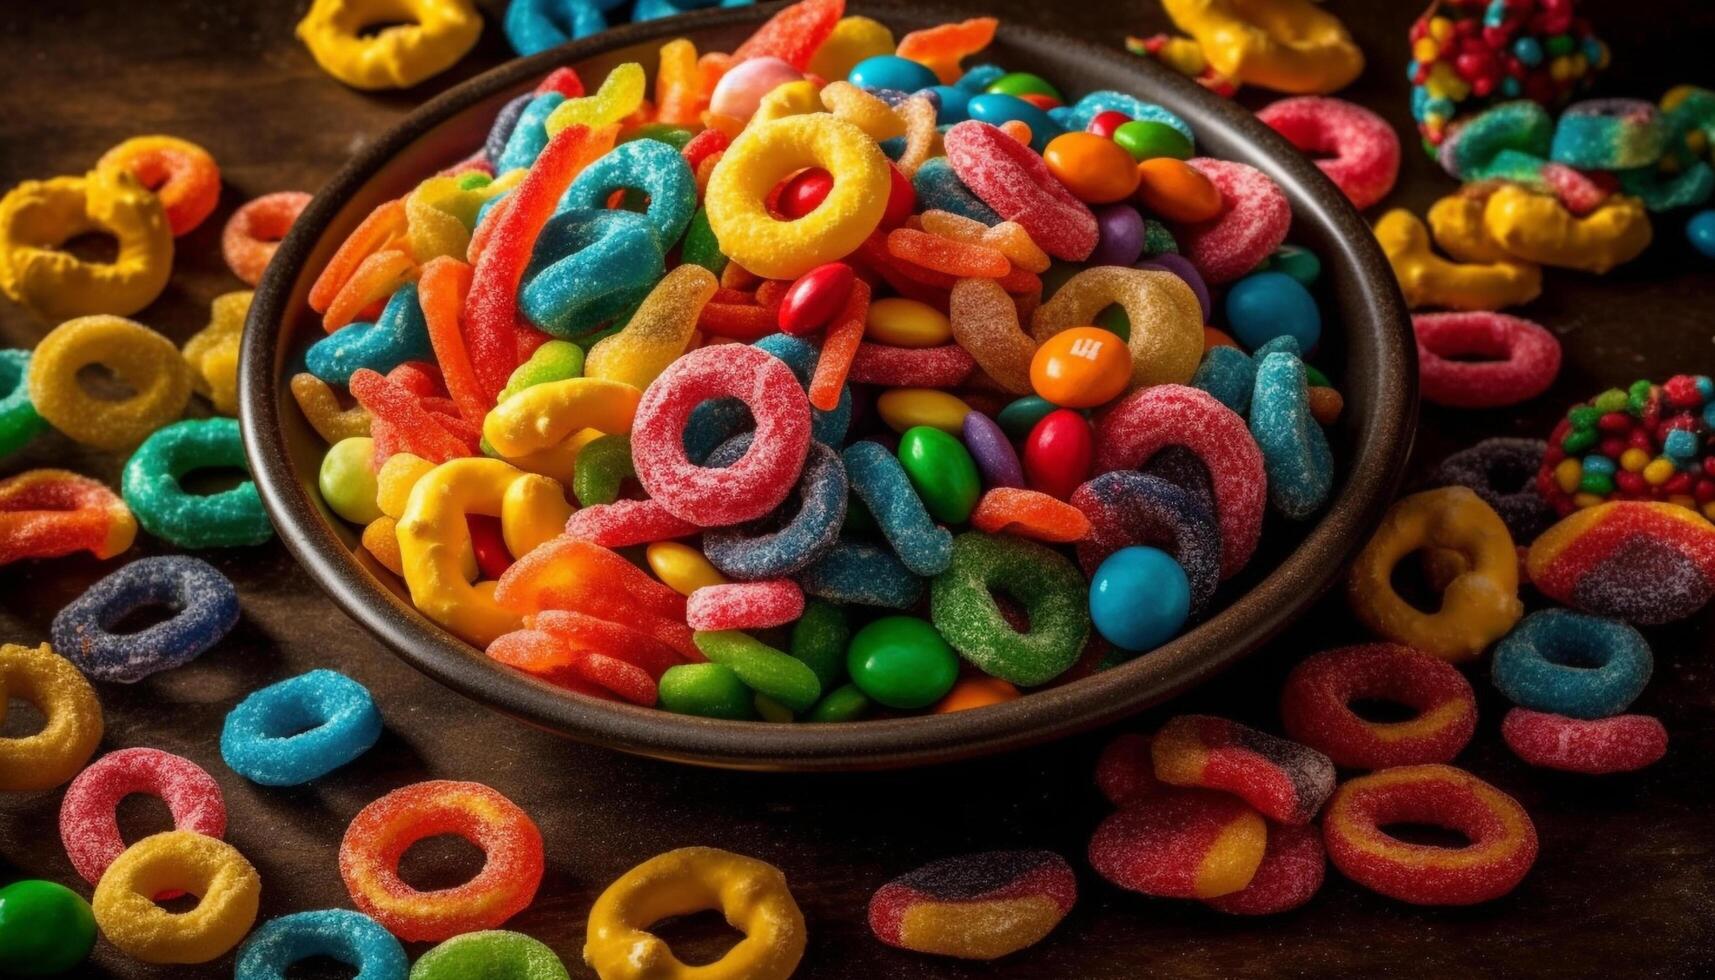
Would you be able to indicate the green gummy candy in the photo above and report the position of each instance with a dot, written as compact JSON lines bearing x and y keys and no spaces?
{"x":700,"y":245}
{"x":819,"y":639}
{"x":555,"y":360}
{"x":491,"y":953}
{"x":761,"y":667}
{"x":705,"y":690}
{"x":1052,"y":591}
{"x":602,"y":467}
{"x":19,"y":422}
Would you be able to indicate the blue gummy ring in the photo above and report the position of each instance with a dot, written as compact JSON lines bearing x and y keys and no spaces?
{"x":206,"y":607}
{"x":500,"y":132}
{"x":649,"y":166}
{"x":529,"y":135}
{"x":765,"y":549}
{"x":537,"y":25}
{"x":301,"y":728}
{"x":880,"y":481}
{"x":349,"y":937}
{"x":1295,"y":453}
{"x":863,"y":574}
{"x":1572,"y":664}
{"x":589,"y":267}
{"x":152,"y":489}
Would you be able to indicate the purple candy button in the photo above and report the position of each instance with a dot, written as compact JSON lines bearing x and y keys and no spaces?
{"x":1121,"y":235}
{"x":996,"y":460}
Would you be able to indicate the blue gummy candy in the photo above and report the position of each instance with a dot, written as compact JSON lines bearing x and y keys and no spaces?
{"x":864,"y":574}
{"x":1229,"y":374}
{"x":939,"y":188}
{"x":1572,"y":664}
{"x":205,"y":604}
{"x":1078,"y":115}
{"x":589,"y":267}
{"x":650,"y":166}
{"x":778,"y":545}
{"x":1659,"y":191}
{"x":299,"y":729}
{"x":529,"y":136}
{"x":348,"y":937}
{"x":505,"y":121}
{"x":400,"y":334}
{"x":1609,"y":134}
{"x":926,"y":548}
{"x":1295,"y":452}
{"x":537,"y":25}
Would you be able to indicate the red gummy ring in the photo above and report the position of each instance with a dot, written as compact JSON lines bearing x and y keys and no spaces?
{"x":1009,"y":177}
{"x":384,"y":830}
{"x":1502,"y":839}
{"x":1181,"y":843}
{"x":1253,"y":222}
{"x":1362,"y":150}
{"x":910,"y":367}
{"x":1151,"y":419}
{"x":768,"y":471}
{"x":1528,"y":358}
{"x":1316,"y":706}
{"x":89,"y":824}
{"x":1622,"y":743}
{"x":1125,"y":771}
{"x":253,"y":233}
{"x":48,"y":513}
{"x":1291,"y":874}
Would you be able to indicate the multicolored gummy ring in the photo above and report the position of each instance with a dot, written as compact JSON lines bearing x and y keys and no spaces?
{"x":975,"y":906}
{"x":1316,"y":706}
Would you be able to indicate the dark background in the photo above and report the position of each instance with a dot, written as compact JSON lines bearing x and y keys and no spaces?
{"x":1625,"y":885}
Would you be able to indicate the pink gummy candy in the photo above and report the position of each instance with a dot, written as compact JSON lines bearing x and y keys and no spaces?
{"x":1360,"y":150}
{"x":910,"y":367}
{"x":89,"y":824}
{"x":627,"y":522}
{"x":1009,"y":177}
{"x":1253,"y":222}
{"x":745,"y":605}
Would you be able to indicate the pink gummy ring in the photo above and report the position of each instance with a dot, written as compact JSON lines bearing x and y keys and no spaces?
{"x":1622,"y":743}
{"x":1253,"y":221}
{"x":89,"y":823}
{"x":1362,"y":149}
{"x":1152,"y":419}
{"x":253,"y":233}
{"x":768,"y":471}
{"x":1009,"y":177}
{"x":1525,"y":358}
{"x":1316,"y":706}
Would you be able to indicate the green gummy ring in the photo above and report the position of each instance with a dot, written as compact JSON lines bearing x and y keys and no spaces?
{"x":492,"y":953}
{"x":218,"y":520}
{"x":19,"y":422}
{"x":1042,"y":580}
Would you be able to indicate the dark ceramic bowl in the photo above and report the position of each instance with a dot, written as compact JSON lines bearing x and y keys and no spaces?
{"x":1368,"y":350}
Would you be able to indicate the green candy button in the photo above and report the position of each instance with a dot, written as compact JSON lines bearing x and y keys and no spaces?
{"x":45,"y":929}
{"x":902,"y":662}
{"x":1146,"y":139}
{"x":1024,"y":83}
{"x":942,"y":471}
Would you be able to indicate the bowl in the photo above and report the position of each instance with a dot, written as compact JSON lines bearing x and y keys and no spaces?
{"x":1369,"y":349}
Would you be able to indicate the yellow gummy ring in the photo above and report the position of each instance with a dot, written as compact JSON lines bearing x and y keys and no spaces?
{"x":38,"y":216}
{"x":212,"y":352}
{"x":1427,"y":279}
{"x":428,"y":36}
{"x":138,"y":357}
{"x":73,"y":727}
{"x":751,"y":895}
{"x":767,"y":154}
{"x":1538,"y":228}
{"x":228,"y":889}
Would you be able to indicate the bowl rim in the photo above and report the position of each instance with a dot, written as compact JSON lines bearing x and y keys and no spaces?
{"x":1379,"y":453}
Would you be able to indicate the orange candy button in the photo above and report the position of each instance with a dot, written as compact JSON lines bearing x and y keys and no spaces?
{"x":1081,"y":367}
{"x":1094,"y":169}
{"x":1176,"y":191}
{"x":976,"y":692}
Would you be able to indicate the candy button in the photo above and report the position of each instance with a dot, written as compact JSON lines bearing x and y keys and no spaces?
{"x":1146,"y":139}
{"x":816,"y":297}
{"x":347,"y":480}
{"x":1267,"y":305}
{"x":942,"y":471}
{"x":892,"y":72}
{"x":1176,"y":191}
{"x":905,"y":323}
{"x":1057,"y":453}
{"x":45,"y":928}
{"x":1080,"y":367}
{"x":1098,"y":171}
{"x":902,"y":662}
{"x":681,"y":567}
{"x":1139,"y":598}
{"x":903,"y":408}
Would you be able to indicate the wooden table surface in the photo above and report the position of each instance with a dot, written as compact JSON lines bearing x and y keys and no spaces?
{"x":1625,"y":885}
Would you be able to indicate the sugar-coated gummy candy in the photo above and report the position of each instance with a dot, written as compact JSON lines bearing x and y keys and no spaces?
{"x":212,"y":353}
{"x":882,"y":483}
{"x":603,"y":466}
{"x":1293,"y":866}
{"x":1568,"y":663}
{"x":1229,"y":374}
{"x":1079,"y":114}
{"x":45,"y":928}
{"x":533,"y":26}
{"x":762,"y":668}
{"x":89,"y":821}
{"x":47,"y":513}
{"x":438,"y":35}
{"x":819,"y":639}
{"x":939,"y":188}
{"x":71,"y":713}
{"x":1045,"y":583}
{"x":1621,"y":743}
{"x":744,"y":605}
{"x":975,"y":906}
{"x":382,"y":831}
{"x":1609,"y":134}
{"x":1316,"y":706}
{"x":203,"y":602}
{"x":783,"y":543}
{"x":1029,"y":514}
{"x":529,"y":133}
{"x":1016,"y":184}
{"x":1125,"y":770}
{"x":1295,"y":452}
{"x":37,"y":217}
{"x":322,"y":410}
{"x":1253,"y":221}
{"x":1359,"y":150}
{"x":138,"y":357}
{"x":1641,"y":562}
{"x":1181,"y":843}
{"x":1502,"y":840}
{"x":1284,"y":780}
{"x":589,"y":267}
{"x":657,"y":331}
{"x":490,"y":952}
{"x":1181,"y":266}
{"x":1501,"y":471}
{"x":299,"y":729}
{"x":252,"y":235}
{"x":862,"y":573}
{"x":656,"y":169}
{"x":400,"y":334}
{"x":923,"y":367}
{"x":342,"y":935}
{"x":227,"y":887}
{"x":1517,"y":359}
{"x":19,"y":421}
{"x":154,"y":491}
{"x":182,"y":174}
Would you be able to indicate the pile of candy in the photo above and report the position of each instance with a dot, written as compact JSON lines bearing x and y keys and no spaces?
{"x":1647,"y":442}
{"x":825,"y":348}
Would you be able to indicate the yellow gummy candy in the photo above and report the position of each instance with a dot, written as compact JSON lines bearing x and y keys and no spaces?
{"x":657,"y":333}
{"x":1538,"y":228}
{"x":440,"y":214}
{"x":1428,"y":279}
{"x":619,"y":96}
{"x":797,"y":98}
{"x":1286,"y":45}
{"x":547,"y":414}
{"x":863,"y":110}
{"x":1166,"y":339}
{"x":212,"y":352}
{"x":1456,"y":221}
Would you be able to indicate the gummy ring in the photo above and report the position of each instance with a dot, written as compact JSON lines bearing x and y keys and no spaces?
{"x":72,"y":714}
{"x":1503,"y":472}
{"x":434,"y":539}
{"x":301,"y":728}
{"x":762,"y":157}
{"x":1609,"y":134}
{"x":436,"y":34}
{"x":1166,"y":338}
{"x":384,"y":830}
{"x":760,"y":480}
{"x":38,"y":216}
{"x":182,"y":174}
{"x":598,"y":265}
{"x":1502,"y":838}
{"x":1049,"y":587}
{"x":533,"y":26}
{"x":1316,"y":706}
{"x":1574,"y":562}
{"x":650,"y":166}
{"x":1571,"y":664}
{"x":212,"y":352}
{"x":89,"y":820}
{"x":752,"y":553}
{"x":1538,"y":228}
{"x":1362,"y":149}
{"x":1012,"y":179}
{"x":137,"y":356}
{"x":1287,"y":45}
{"x":1253,"y":221}
{"x":1529,"y":358}
{"x":19,"y":421}
{"x":1428,"y":279}
{"x":1623,"y":743}
{"x":751,"y":895}
{"x":227,"y":887}
{"x":163,"y":506}
{"x":1478,"y":606}
{"x":252,"y":235}
{"x":492,"y":952}
{"x":349,"y":937}
{"x":1152,"y":419}
{"x":204,"y":608}
{"x":48,"y":513}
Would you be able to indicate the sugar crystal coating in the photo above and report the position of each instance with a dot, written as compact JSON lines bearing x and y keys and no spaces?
{"x":975,"y":906}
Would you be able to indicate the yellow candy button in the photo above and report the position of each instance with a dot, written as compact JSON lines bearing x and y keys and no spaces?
{"x":681,"y":567}
{"x":907,"y":323}
{"x":902,"y":408}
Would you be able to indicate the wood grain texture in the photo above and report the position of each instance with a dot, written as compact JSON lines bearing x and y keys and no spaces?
{"x":1626,"y":882}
